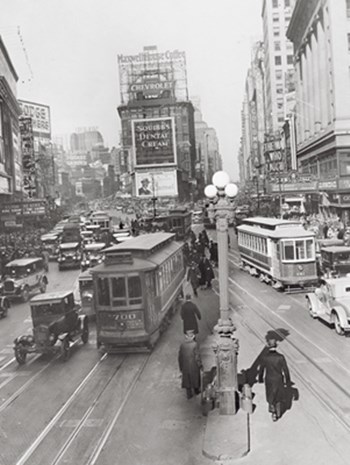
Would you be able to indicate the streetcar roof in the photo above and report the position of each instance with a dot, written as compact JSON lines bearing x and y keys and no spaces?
{"x":270,"y":223}
{"x":69,"y":245}
{"x":291,"y":233}
{"x":94,"y":246}
{"x":138,"y":264}
{"x":144,"y":242}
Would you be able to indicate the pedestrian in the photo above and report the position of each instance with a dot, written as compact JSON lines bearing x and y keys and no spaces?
{"x":209,"y":273}
{"x":213,"y":250}
{"x":274,"y":367}
{"x":190,"y":364}
{"x":189,"y":314}
{"x":192,"y":277}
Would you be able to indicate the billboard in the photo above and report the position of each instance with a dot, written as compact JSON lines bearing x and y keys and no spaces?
{"x":25,"y":208}
{"x":40,"y":115}
{"x":154,"y":142}
{"x":156,"y":183}
{"x":152,"y":75}
{"x":28,"y":156}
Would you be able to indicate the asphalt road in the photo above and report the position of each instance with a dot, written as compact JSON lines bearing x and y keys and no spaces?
{"x":130,"y":409}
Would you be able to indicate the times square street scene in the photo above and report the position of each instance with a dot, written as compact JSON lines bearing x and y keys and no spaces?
{"x":175,"y":233}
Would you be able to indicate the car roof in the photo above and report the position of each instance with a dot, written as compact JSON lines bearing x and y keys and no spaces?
{"x":336,"y":249}
{"x":95,"y":246}
{"x":68,"y":245}
{"x":58,"y":295}
{"x":23,"y":261}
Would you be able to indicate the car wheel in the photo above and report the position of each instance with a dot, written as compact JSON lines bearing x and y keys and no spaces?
{"x":337,"y":325}
{"x":25,"y":294}
{"x":85,"y":333}
{"x":20,"y":354}
{"x":311,"y":312}
{"x":65,"y":350}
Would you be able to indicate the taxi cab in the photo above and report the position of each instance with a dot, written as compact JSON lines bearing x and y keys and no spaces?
{"x":69,"y":255}
{"x":330,"y":302}
{"x":92,"y":255}
{"x":22,"y":277}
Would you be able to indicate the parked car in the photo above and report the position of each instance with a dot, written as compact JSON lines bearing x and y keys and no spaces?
{"x":23,"y":277}
{"x":56,"y":326}
{"x":331,"y":303}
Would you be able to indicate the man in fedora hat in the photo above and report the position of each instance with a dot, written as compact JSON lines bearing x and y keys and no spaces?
{"x":274,"y":366}
{"x":143,"y":190}
{"x":190,"y":364}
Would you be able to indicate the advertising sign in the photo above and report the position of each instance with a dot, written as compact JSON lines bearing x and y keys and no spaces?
{"x":156,"y":183}
{"x":154,"y":142}
{"x":28,"y":155}
{"x":25,"y":208}
{"x":40,"y":115}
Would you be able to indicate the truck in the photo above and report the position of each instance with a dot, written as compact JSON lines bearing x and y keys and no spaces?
{"x":71,"y":233}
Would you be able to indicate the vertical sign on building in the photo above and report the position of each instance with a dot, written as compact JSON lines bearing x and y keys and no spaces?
{"x":28,"y":156}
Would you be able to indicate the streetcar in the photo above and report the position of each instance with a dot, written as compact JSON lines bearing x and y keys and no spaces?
{"x":180,"y":221}
{"x":280,"y":252}
{"x":136,"y":291}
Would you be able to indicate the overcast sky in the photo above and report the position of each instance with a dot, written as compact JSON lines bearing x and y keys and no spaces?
{"x":66,"y":56}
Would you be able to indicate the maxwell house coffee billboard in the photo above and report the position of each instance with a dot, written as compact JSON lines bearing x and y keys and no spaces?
{"x":154,"y":142}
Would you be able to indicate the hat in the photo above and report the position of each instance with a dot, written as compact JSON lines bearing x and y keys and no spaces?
{"x":190,"y":335}
{"x":188,"y":296}
{"x":145,"y":180}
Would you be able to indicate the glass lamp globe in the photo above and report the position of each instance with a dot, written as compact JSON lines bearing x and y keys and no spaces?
{"x":210,"y":191}
{"x":231,"y":190}
{"x":220,"y":179}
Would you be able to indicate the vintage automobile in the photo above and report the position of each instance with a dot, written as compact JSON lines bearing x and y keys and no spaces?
{"x":4,"y":306}
{"x":69,"y":255}
{"x":57,"y":325}
{"x":86,"y":294}
{"x":92,"y":255}
{"x":331,"y":303}
{"x":50,"y":244}
{"x":23,"y":276}
{"x":87,"y":237}
{"x":335,"y":261}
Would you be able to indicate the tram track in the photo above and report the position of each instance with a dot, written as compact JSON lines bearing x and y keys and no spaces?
{"x":323,"y":392}
{"x":69,"y":443}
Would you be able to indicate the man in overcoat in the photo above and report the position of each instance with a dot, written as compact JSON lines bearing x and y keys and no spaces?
{"x":190,"y":364}
{"x":189,"y":315}
{"x":192,"y":277}
{"x":274,"y":366}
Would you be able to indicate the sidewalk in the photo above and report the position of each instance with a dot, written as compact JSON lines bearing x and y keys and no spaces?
{"x":299,"y":437}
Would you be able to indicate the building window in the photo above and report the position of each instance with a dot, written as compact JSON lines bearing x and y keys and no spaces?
{"x":276,"y":19}
{"x":278,"y":60}
{"x":276,"y":32}
{"x":277,"y":46}
{"x":274,"y":3}
{"x":279,"y":74}
{"x":286,"y":3}
{"x":344,"y":161}
{"x":289,"y":59}
{"x":348,"y":8}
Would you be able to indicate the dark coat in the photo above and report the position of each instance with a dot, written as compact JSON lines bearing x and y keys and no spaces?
{"x":189,"y":363}
{"x":209,"y":273}
{"x":274,"y":366}
{"x":189,"y":314}
{"x":192,"y":276}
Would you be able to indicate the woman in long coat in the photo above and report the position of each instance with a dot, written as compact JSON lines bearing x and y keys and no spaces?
{"x":190,"y":364}
{"x":192,"y":277}
{"x":274,"y":366}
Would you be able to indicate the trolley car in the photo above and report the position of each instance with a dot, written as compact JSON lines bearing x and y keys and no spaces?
{"x":136,"y":291}
{"x":279,"y":252}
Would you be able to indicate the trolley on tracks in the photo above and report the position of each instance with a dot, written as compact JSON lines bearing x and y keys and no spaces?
{"x":280,"y":252}
{"x":136,"y":291}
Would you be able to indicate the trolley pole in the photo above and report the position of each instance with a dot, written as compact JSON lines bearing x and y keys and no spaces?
{"x":226,"y":346}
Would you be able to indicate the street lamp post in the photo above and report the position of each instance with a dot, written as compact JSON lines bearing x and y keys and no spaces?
{"x":226,"y":346}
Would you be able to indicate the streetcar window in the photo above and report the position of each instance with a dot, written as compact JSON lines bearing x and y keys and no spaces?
{"x":309,"y":248}
{"x":288,"y":250}
{"x":103,"y":291}
{"x":119,"y":292}
{"x":135,"y":290}
{"x":300,"y":250}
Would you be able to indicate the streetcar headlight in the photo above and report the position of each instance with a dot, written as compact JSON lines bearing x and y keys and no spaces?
{"x":300,"y":267}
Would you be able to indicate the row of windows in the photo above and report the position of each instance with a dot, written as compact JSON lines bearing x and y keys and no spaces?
{"x":295,"y":250}
{"x":258,"y":244}
{"x":169,"y":270}
{"x":278,"y":60}
{"x":119,"y":291}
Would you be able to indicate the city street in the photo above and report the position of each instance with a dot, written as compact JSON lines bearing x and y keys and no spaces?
{"x":97,"y":408}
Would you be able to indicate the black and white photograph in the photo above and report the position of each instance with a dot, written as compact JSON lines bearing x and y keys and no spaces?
{"x":174,"y":232}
